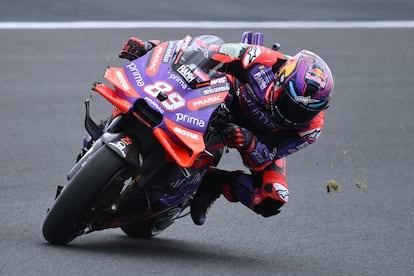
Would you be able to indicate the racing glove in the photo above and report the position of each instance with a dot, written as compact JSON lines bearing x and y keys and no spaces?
{"x":239,"y":138}
{"x":135,"y":48}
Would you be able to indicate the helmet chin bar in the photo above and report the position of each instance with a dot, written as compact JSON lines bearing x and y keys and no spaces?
{"x":277,"y":116}
{"x":281,"y":120}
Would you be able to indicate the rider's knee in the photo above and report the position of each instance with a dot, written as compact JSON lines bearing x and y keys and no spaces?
{"x":270,"y":199}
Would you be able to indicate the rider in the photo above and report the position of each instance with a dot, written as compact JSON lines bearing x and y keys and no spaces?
{"x":277,"y":104}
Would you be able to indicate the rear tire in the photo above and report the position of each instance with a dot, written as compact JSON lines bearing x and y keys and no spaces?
{"x":62,"y":222}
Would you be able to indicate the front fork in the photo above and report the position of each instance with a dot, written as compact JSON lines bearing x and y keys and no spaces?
{"x":122,"y":141}
{"x":94,"y":130}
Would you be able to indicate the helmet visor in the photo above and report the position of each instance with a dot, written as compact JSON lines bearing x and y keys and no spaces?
{"x":289,"y":108}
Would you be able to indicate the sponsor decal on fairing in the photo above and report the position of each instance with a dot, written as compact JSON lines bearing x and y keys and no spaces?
{"x":168,"y":52}
{"x":205,"y":101}
{"x":186,"y":73}
{"x":155,"y":60}
{"x":185,"y":43}
{"x":122,"y":80}
{"x":178,"y":80}
{"x":186,"y":133}
{"x":154,"y":104}
{"x":181,"y":117}
{"x":214,"y":90}
{"x":218,"y":81}
{"x":122,"y":144}
{"x":135,"y":74}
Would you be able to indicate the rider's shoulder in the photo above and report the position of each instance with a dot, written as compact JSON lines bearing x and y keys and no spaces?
{"x":257,"y":54}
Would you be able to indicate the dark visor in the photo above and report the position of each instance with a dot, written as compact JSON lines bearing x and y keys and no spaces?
{"x":293,"y":111}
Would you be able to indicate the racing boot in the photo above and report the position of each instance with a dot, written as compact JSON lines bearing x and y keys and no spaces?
{"x":208,"y":191}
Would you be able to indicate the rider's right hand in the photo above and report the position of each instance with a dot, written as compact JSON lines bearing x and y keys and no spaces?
{"x":239,"y":138}
{"x":135,"y":48}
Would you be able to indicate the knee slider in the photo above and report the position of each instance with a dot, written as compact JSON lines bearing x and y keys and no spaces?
{"x":271,"y":199}
{"x":268,"y":207}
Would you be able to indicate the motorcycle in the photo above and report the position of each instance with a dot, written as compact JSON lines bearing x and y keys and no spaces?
{"x":140,"y":170}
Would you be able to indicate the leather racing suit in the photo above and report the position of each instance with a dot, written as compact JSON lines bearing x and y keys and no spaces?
{"x":252,"y":70}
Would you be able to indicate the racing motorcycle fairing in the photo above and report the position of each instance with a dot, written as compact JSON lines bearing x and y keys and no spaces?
{"x":183,"y":95}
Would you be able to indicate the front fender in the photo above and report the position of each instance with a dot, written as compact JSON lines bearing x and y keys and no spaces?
{"x":125,"y":145}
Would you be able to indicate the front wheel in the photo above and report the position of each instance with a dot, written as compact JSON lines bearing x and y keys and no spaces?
{"x":63,"y":222}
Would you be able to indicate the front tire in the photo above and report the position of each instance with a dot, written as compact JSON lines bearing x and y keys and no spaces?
{"x":62,"y":222}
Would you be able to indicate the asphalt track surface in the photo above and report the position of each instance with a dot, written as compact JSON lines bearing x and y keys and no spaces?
{"x":46,"y":74}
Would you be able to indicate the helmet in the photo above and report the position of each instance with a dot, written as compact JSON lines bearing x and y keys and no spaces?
{"x":302,"y":89}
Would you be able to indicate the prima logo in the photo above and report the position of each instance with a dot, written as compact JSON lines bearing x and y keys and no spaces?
{"x":178,"y":80}
{"x":135,"y":74}
{"x":180,"y":117}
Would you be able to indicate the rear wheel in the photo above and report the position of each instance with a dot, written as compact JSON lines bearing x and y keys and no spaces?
{"x":62,"y":223}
